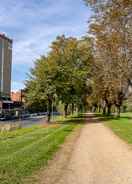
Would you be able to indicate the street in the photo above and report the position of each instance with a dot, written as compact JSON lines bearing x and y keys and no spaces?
{"x":28,"y":121}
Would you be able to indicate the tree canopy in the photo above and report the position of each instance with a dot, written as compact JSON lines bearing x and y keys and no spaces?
{"x":112,"y":37}
{"x":63,"y":74}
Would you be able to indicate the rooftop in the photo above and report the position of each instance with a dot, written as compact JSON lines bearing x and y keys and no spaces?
{"x":2,"y":35}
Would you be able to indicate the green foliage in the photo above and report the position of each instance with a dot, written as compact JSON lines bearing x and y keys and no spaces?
{"x":62,"y":75}
{"x":73,"y":67}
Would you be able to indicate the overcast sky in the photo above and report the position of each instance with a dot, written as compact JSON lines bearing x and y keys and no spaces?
{"x":34,"y":24}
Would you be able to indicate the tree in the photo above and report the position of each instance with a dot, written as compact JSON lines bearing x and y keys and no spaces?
{"x":41,"y":86}
{"x":63,"y":73}
{"x":73,"y":57}
{"x":111,"y":30}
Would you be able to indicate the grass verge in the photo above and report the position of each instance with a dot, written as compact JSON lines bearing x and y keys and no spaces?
{"x":121,"y":126}
{"x":25,"y":151}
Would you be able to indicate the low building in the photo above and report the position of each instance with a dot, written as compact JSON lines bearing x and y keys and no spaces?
{"x":18,"y":96}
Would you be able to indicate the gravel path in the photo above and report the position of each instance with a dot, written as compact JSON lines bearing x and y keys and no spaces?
{"x":99,"y":157}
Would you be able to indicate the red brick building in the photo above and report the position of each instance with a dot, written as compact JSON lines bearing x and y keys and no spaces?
{"x":17,"y":96}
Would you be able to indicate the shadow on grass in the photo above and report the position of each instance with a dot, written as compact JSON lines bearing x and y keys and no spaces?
{"x":85,"y":119}
{"x":102,"y":117}
{"x":81,"y":119}
{"x":90,"y":118}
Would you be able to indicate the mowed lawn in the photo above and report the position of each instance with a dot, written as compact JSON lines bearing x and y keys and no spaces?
{"x":27,"y":150}
{"x":122,"y":126}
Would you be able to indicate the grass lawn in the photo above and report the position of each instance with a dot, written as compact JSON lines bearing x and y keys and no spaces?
{"x":26,"y":150}
{"x":122,"y":126}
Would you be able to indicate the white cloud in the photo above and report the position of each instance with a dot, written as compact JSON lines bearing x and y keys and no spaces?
{"x":38,"y":41}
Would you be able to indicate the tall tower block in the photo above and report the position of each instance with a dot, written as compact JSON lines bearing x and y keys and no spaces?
{"x":5,"y":65}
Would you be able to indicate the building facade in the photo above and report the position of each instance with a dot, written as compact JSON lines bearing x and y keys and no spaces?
{"x":5,"y":66}
{"x":18,"y":96}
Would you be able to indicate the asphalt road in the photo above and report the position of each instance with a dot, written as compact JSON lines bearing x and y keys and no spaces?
{"x":28,"y":121}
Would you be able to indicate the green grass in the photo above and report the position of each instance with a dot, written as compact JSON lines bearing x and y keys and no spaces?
{"x":26,"y":150}
{"x":122,"y":126}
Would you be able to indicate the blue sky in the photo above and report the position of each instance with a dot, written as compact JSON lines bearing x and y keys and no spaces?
{"x":34,"y":24}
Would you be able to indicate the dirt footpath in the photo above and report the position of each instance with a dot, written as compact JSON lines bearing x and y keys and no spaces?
{"x":98,"y":157}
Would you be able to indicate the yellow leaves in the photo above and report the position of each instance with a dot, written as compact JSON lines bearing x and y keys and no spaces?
{"x":115,"y":14}
{"x":96,"y":28}
{"x":127,"y":3}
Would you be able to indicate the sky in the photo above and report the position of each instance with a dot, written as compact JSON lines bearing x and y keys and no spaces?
{"x":34,"y":24}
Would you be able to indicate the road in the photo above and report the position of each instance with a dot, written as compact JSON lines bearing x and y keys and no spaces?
{"x":28,"y":121}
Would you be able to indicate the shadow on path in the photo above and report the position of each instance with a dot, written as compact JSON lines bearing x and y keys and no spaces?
{"x":91,"y":118}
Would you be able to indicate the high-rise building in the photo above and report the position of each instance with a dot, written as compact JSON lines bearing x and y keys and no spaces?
{"x":5,"y":65}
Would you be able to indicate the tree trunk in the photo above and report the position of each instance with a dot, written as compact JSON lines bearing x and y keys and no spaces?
{"x":49,"y":109}
{"x":72,"y":109}
{"x":108,"y":109}
{"x":118,"y":111}
{"x":66,"y":109}
{"x":94,"y":109}
{"x":104,"y":110}
{"x":99,"y":108}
